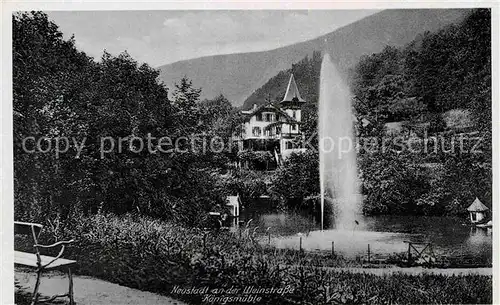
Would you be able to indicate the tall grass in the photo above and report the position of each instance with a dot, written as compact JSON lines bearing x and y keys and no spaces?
{"x":154,"y":255}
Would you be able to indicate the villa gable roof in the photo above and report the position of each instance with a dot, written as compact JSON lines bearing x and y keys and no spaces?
{"x":272,"y":108}
{"x":258,"y":109}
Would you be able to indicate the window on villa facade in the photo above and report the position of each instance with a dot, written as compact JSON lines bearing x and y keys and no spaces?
{"x":294,"y":127}
{"x":278,"y":129}
{"x":294,"y":114}
{"x":268,"y":117}
{"x":256,"y":131}
{"x":258,"y":117}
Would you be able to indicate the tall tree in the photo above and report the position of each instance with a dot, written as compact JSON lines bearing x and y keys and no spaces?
{"x":185,"y":100}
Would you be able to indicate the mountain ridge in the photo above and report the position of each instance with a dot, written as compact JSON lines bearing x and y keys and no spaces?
{"x":238,"y":75}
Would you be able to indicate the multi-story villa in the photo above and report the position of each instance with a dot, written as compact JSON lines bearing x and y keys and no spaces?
{"x":275,"y":128}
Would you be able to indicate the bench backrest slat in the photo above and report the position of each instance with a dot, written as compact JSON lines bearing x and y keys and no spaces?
{"x":24,"y":228}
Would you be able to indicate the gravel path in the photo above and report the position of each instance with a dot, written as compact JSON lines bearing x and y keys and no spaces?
{"x":91,"y":291}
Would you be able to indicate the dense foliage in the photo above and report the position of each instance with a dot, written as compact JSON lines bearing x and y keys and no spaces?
{"x":109,"y":108}
{"x":421,"y":84}
{"x":436,"y":72}
{"x":297,"y":180}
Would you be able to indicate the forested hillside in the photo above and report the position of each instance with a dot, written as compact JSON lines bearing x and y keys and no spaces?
{"x":437,"y":72}
{"x":444,"y":70}
{"x":237,"y":76}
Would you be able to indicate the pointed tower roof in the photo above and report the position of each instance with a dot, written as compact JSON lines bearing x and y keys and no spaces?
{"x":292,"y":91}
{"x":477,"y":206}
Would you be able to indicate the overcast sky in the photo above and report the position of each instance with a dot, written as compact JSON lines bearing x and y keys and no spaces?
{"x":161,"y":37}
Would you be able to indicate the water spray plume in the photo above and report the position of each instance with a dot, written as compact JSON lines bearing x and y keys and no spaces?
{"x":338,"y":169}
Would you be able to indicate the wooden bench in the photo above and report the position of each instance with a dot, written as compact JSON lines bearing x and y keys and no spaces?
{"x":42,"y":262}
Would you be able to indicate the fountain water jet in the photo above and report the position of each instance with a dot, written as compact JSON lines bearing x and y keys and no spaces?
{"x":338,"y":170}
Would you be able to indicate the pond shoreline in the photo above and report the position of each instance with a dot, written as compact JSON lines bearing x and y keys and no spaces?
{"x":449,"y":240}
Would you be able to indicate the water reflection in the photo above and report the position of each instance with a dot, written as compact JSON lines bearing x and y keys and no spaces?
{"x":385,"y":234}
{"x":477,"y":240}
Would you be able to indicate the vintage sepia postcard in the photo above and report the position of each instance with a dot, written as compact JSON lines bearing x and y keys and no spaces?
{"x":249,"y":153}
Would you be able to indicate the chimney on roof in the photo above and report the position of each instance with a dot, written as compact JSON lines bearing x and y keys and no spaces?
{"x":254,"y":106}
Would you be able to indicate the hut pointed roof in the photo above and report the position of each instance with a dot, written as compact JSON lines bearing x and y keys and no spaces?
{"x":477,"y":206}
{"x":292,"y":91}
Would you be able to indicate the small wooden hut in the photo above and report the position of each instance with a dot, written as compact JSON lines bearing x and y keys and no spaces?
{"x":478,"y":211}
{"x":234,"y":203}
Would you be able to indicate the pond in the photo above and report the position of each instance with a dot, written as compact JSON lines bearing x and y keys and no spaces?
{"x":453,"y":237}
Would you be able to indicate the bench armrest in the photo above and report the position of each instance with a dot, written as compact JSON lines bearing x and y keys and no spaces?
{"x":59,"y":243}
{"x":63,"y":242}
